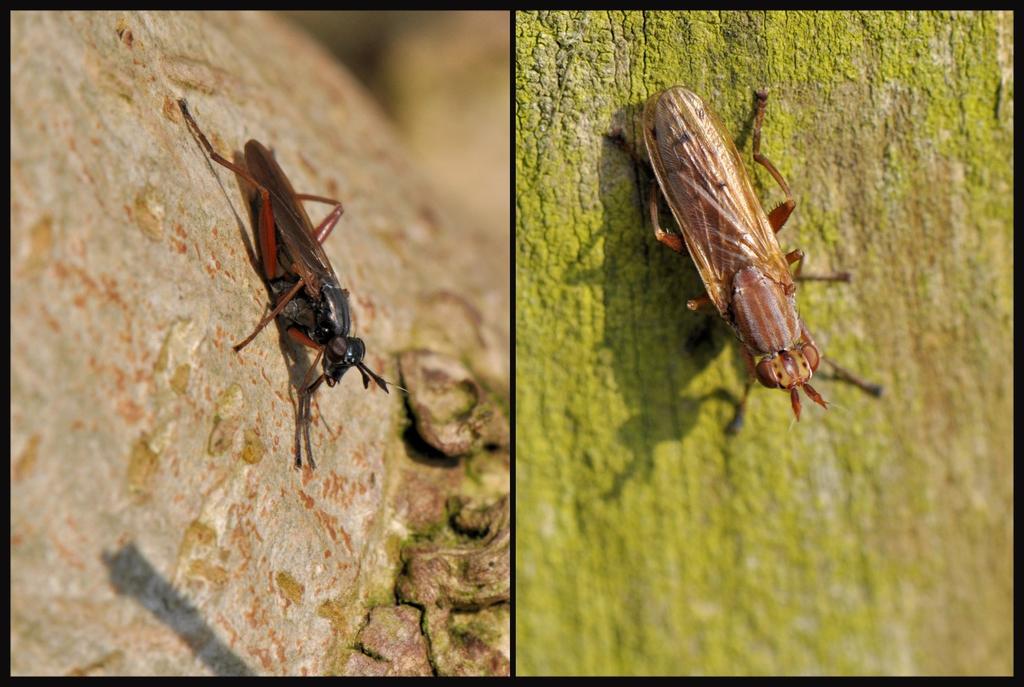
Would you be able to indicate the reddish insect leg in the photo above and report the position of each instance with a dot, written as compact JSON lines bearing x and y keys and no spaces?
{"x":673,"y":241}
{"x":737,"y":421}
{"x":797,"y":256}
{"x":301,"y":337}
{"x":273,"y":313}
{"x":268,"y":239}
{"x":840,"y":372}
{"x":741,"y":408}
{"x":670,"y":239}
{"x":777,"y":217}
{"x":324,"y":229}
{"x":698,"y":302}
{"x":847,"y":376}
{"x":780,"y":214}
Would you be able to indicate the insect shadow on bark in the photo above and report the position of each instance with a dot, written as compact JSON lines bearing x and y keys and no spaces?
{"x":656,"y":345}
{"x":132,"y":575}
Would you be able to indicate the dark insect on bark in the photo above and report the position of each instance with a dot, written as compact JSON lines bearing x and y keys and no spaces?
{"x":310,"y":300}
{"x":732,"y":242}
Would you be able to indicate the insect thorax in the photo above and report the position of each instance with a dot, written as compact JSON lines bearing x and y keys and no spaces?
{"x":763,"y":314}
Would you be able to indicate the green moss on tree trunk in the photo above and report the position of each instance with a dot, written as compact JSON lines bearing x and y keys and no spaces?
{"x":875,"y":537}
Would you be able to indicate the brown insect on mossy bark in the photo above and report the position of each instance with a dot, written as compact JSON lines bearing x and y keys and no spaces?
{"x":733,"y":243}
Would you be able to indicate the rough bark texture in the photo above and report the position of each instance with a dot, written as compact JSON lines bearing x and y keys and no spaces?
{"x":157,"y":526}
{"x":875,"y":537}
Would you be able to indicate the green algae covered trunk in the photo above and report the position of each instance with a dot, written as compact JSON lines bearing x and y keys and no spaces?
{"x":875,"y":537}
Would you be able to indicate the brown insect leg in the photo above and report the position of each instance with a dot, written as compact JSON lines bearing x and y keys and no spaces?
{"x":698,"y":302}
{"x":780,"y":214}
{"x":838,"y":276}
{"x":305,"y":419}
{"x":268,"y":239}
{"x":324,"y":229}
{"x":273,"y":313}
{"x":673,"y":241}
{"x":797,"y":256}
{"x":736,"y":424}
{"x":841,"y":373}
{"x":777,"y":217}
{"x":305,"y":415}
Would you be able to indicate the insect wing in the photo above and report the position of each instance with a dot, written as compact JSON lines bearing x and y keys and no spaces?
{"x":306,"y":256}
{"x":702,"y":177}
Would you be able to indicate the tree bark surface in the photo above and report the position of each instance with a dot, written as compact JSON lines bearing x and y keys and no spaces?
{"x":875,"y":537}
{"x":157,"y":525}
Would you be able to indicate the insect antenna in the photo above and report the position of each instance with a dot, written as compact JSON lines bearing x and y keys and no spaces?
{"x":369,"y":374}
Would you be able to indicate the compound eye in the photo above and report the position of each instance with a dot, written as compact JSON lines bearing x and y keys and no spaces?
{"x":811,"y":355}
{"x":356,"y":351}
{"x":766,"y":373}
{"x":337,"y":348}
